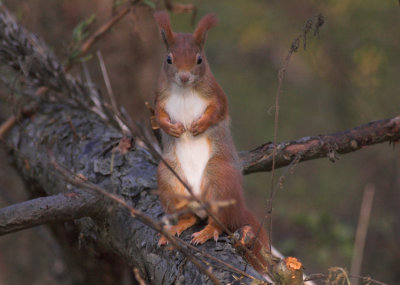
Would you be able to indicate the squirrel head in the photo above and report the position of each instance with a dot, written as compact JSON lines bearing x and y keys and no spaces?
{"x":185,"y":62}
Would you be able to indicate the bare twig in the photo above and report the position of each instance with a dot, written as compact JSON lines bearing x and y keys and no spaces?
{"x":83,"y":182}
{"x":33,"y":47}
{"x":178,"y":8}
{"x":210,"y":214}
{"x":338,"y":275}
{"x":226,"y":265}
{"x":181,"y":245}
{"x":140,"y":133}
{"x":115,"y":110}
{"x":368,"y":280}
{"x":7,"y":125}
{"x":13,"y":119}
{"x":138,"y":278}
{"x":154,"y":126}
{"x":281,"y":75}
{"x":327,"y":279}
{"x":98,"y":105}
{"x":361,"y":234}
{"x":107,"y":82}
{"x":102,"y":30}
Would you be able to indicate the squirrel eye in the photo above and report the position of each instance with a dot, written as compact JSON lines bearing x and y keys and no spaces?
{"x":169,"y":59}
{"x":199,"y":59}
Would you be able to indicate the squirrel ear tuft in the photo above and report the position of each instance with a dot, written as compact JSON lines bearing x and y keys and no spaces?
{"x":164,"y":24}
{"x":206,"y":23}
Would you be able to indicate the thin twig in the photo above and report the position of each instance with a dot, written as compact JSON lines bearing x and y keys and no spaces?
{"x":290,"y":167}
{"x":82,"y":182}
{"x":281,"y":75}
{"x":368,"y":280}
{"x":178,"y":8}
{"x":7,"y":125}
{"x":227,"y":265}
{"x":107,"y":82}
{"x":361,"y":233}
{"x":103,"y":29}
{"x":138,"y":278}
{"x":338,"y":275}
{"x":188,"y":188}
{"x":115,"y":110}
{"x":83,"y":50}
{"x":98,"y":107}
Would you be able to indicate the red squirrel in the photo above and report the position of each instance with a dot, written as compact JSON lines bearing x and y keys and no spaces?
{"x":192,"y":111}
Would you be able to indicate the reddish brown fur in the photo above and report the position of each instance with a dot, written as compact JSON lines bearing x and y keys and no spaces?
{"x":222,"y":179}
{"x":164,"y":23}
{"x":183,"y":224}
{"x":170,"y":187}
{"x":217,"y":109}
{"x":206,"y":23}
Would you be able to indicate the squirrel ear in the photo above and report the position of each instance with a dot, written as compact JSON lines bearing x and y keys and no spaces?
{"x":164,"y":23}
{"x":206,"y":23}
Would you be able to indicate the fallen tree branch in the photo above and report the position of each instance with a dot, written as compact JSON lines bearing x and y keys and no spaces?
{"x":55,"y":208}
{"x":87,"y":149}
{"x":260,"y":158}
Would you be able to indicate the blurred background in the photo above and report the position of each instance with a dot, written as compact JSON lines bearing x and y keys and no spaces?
{"x":347,"y":77}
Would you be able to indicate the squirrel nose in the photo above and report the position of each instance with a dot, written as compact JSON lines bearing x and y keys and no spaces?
{"x":184,"y":77}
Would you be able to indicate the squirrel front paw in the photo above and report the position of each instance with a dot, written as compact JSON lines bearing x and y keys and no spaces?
{"x":175,"y":130}
{"x":198,"y":127}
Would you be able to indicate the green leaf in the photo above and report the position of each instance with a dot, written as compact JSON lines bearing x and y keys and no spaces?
{"x":86,"y":58}
{"x":75,"y":53}
{"x":149,"y":3}
{"x":80,"y":31}
{"x":118,"y":3}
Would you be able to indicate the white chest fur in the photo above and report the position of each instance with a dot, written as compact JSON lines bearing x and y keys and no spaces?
{"x":193,"y":152}
{"x":185,"y":105}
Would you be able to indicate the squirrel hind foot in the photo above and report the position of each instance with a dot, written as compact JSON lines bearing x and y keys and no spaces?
{"x":210,"y":231}
{"x":162,"y":241}
{"x":180,"y":227}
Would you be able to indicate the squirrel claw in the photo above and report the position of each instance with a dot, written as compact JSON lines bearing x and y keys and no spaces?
{"x":163,"y":241}
{"x":195,"y":240}
{"x":204,"y":235}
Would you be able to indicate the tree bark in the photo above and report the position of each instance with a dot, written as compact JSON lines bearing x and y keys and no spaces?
{"x":80,"y":142}
{"x":55,"y":208}
{"x":313,"y":147}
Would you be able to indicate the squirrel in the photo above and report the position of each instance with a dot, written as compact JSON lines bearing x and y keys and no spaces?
{"x":191,"y":109}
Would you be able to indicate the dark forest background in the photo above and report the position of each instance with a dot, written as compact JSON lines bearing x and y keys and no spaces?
{"x":347,"y":77}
